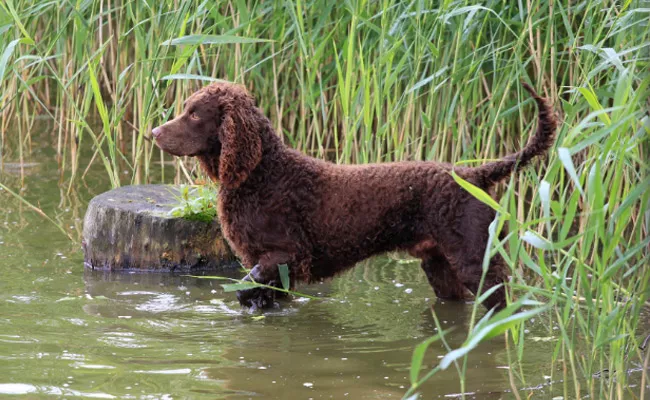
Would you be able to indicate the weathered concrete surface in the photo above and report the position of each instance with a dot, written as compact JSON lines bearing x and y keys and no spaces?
{"x":129,"y":228}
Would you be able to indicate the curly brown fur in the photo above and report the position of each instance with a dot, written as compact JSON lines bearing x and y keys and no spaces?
{"x":278,"y":206}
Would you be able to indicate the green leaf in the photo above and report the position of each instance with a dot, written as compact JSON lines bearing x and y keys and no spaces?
{"x":500,"y":327}
{"x":110,"y":165}
{"x":418,"y":357}
{"x":590,"y":96}
{"x":426,"y":80}
{"x":536,"y":241}
{"x":211,"y":39}
{"x":488,"y":292}
{"x":631,"y":198}
{"x":565,"y":157}
{"x":233,"y":287}
{"x":571,"y":206}
{"x":11,"y":9}
{"x":490,"y":330}
{"x":545,"y":197}
{"x":191,"y":77}
{"x":284,"y":276}
{"x":478,"y":193}
{"x":4,"y":59}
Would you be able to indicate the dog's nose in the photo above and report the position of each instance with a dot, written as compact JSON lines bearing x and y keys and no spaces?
{"x":156,"y":132}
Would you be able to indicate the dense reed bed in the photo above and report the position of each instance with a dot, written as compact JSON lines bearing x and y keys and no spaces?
{"x":375,"y":81}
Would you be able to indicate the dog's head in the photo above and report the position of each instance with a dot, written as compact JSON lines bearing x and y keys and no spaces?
{"x":219,"y":124}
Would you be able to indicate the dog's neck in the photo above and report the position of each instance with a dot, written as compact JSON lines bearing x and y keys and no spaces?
{"x":272,"y":147}
{"x":272,"y":150}
{"x":271,"y":142}
{"x":210,"y":164}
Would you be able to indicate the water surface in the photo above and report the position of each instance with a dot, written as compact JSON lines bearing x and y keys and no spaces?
{"x":69,"y":332}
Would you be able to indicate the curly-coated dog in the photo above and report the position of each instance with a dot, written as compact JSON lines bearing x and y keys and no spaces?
{"x":279,"y":206}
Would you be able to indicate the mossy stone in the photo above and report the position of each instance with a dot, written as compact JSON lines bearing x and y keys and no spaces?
{"x":130,"y":228}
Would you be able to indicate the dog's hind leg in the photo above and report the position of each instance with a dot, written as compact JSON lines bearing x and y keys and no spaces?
{"x":495,"y":275}
{"x":465,"y":248}
{"x":468,"y":264}
{"x":443,"y":278}
{"x":440,"y":273}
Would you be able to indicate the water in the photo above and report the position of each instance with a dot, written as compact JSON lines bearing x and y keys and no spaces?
{"x":67,"y":332}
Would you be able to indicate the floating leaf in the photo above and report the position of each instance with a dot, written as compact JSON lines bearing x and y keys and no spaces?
{"x":233,"y":287}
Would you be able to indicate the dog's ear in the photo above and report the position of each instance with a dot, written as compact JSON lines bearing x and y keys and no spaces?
{"x":241,"y":148}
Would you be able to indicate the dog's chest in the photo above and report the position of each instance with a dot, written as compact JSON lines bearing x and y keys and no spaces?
{"x":253,"y":226}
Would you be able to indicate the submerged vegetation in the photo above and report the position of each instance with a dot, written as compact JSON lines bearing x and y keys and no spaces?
{"x":363,"y":81}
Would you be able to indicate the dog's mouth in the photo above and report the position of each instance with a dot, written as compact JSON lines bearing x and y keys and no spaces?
{"x":167,"y":143}
{"x":183,"y":145}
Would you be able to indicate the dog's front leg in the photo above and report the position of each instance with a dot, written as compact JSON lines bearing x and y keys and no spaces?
{"x":265,"y":272}
{"x":259,"y":297}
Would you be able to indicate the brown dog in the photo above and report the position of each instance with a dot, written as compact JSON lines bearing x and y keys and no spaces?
{"x":278,"y":206}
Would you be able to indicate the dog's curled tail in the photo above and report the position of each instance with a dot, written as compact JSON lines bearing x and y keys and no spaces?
{"x":542,"y":140}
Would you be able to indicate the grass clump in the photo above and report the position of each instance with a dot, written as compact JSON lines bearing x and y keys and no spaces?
{"x":196,"y":204}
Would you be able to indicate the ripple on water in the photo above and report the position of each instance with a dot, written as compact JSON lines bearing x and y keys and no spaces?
{"x":24,"y":388}
{"x":22,"y":299}
{"x":122,"y":339}
{"x":16,"y":339}
{"x":181,"y":371}
{"x":161,"y":302}
{"x":84,"y":365}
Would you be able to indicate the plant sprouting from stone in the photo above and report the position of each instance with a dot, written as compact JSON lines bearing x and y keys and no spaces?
{"x":197,"y":203}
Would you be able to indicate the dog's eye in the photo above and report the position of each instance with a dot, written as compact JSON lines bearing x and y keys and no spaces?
{"x":194,"y":115}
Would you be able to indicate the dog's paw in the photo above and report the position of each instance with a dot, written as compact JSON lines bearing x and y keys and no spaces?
{"x":256,"y":298}
{"x":264,"y":300}
{"x":259,"y":297}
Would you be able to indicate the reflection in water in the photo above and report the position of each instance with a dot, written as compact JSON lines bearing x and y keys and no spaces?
{"x":24,"y":389}
{"x":131,"y":335}
{"x":152,"y":336}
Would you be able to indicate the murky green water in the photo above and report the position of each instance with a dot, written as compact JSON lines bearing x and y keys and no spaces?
{"x":66,"y":332}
